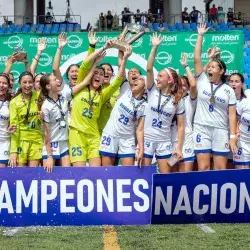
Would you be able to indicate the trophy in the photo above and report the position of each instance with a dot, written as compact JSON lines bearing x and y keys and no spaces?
{"x":128,"y":36}
{"x":20,"y":54}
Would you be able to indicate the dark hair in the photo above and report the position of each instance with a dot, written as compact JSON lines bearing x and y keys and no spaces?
{"x":11,"y":74}
{"x":25,"y":73}
{"x":137,"y":69}
{"x":177,"y":91}
{"x":242,"y":94}
{"x":44,"y":81}
{"x":108,"y":65}
{"x":186,"y":80}
{"x":39,"y":74}
{"x":8,"y":95}
{"x":98,"y":67}
{"x":69,"y":68}
{"x":222,"y":65}
{"x":6,"y":76}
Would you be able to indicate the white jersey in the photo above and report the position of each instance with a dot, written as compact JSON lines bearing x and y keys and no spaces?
{"x":213,"y":115}
{"x":124,"y":87}
{"x":120,"y":123}
{"x":190,"y":106}
{"x":53,"y":116}
{"x":157,"y":126}
{"x":4,"y":120}
{"x":243,"y":110}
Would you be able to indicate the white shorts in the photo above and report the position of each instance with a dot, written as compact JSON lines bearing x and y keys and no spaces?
{"x":242,"y":157}
{"x":59,"y":149}
{"x":4,"y":152}
{"x":211,"y":140}
{"x":162,"y":150}
{"x":188,"y":148}
{"x":117,"y":147}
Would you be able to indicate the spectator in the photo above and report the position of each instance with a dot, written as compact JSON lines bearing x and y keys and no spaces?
{"x":102,"y":21}
{"x":185,"y":16}
{"x":161,"y":28}
{"x":125,"y":17}
{"x":146,"y":29}
{"x":129,"y":16}
{"x":230,"y":15}
{"x":238,"y":20}
{"x":138,"y":16}
{"x":109,"y":19}
{"x":150,"y":16}
{"x":221,"y":15}
{"x":213,"y":14}
{"x":194,"y":15}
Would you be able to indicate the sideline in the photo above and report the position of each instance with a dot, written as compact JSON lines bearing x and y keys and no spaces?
{"x":110,"y":238}
{"x":205,"y":228}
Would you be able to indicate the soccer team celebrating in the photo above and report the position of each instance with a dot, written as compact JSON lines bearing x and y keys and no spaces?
{"x":93,"y":120}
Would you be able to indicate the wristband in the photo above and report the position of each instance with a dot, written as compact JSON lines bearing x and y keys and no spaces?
{"x":185,"y":66}
{"x":201,"y":34}
{"x":232,"y":136}
{"x":92,"y":46}
{"x":60,"y":48}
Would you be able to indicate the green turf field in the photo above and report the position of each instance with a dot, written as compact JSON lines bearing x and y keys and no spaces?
{"x":226,"y":236}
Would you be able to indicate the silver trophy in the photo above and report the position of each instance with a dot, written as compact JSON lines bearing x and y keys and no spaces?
{"x":20,"y":54}
{"x":129,"y":35}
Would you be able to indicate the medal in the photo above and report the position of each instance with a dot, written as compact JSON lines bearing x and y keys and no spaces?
{"x":134,"y":119}
{"x":26,"y":121}
{"x":212,"y":99}
{"x":62,"y":123}
{"x":108,"y":105}
{"x":91,"y":108}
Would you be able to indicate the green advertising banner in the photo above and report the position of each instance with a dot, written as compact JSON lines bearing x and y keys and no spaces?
{"x":168,"y":54}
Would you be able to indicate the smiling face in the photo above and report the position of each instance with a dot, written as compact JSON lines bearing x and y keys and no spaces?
{"x":132,"y":75}
{"x":26,"y":84}
{"x":54,"y":85}
{"x":138,"y":85}
{"x":37,"y":81}
{"x":162,"y":80}
{"x":108,"y":73}
{"x":72,"y":75}
{"x":4,"y":86}
{"x":236,"y":84}
{"x":214,"y":72}
{"x":98,"y":78}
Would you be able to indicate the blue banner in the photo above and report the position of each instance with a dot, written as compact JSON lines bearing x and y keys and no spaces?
{"x":201,"y":197}
{"x":75,"y":196}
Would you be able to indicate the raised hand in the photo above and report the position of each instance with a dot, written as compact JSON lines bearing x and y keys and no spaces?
{"x":92,"y":37}
{"x":156,"y":40}
{"x":213,"y":53}
{"x":202,"y":29}
{"x":41,"y":46}
{"x":100,"y":57}
{"x":183,"y":60}
{"x":62,"y":40}
{"x":128,"y":52}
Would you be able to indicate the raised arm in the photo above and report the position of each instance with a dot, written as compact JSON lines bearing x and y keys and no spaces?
{"x":191,"y":79}
{"x":156,"y":41}
{"x":9,"y":63}
{"x":41,"y":46}
{"x":78,"y":87}
{"x":62,"y":42}
{"x":198,"y":68}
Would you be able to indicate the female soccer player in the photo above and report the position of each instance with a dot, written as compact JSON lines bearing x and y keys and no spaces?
{"x":189,"y":97}
{"x":4,"y":119}
{"x":236,"y":82}
{"x":126,"y":120}
{"x":54,"y":102}
{"x":84,"y":137}
{"x":164,"y":101}
{"x":215,"y":111}
{"x":242,"y":156}
{"x":26,"y":142}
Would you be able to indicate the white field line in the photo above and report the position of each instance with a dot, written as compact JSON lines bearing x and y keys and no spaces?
{"x":205,"y":228}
